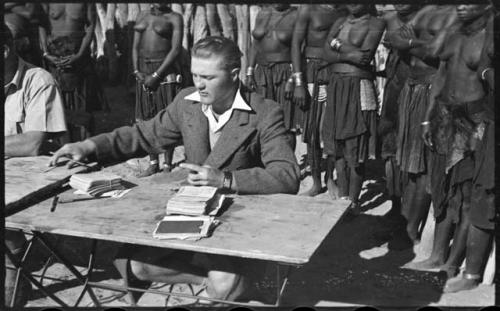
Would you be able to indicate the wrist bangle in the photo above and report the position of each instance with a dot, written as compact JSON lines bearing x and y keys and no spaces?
{"x":250,"y":71}
{"x":136,"y":72}
{"x":483,"y":73}
{"x":227,"y":181}
{"x":410,"y":42}
{"x":297,"y":77}
{"x":425,"y":123}
{"x":44,"y":54}
{"x":156,"y":75}
{"x":336,"y":44}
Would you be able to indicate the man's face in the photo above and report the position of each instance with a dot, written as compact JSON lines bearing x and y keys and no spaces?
{"x":214,"y":83}
{"x":356,"y":8}
{"x":467,"y":12}
{"x":404,"y":9}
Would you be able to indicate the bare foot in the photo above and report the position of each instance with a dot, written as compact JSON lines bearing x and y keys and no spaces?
{"x":152,"y":169}
{"x":461,"y":283}
{"x":451,"y":271}
{"x":333,"y":190}
{"x":314,"y":191}
{"x":427,"y":264}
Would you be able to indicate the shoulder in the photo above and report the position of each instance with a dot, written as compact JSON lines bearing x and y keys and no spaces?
{"x":174,"y":17}
{"x":36,"y":77}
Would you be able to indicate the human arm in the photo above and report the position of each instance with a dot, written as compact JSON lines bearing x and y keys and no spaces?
{"x":42,"y":33}
{"x":249,"y":75}
{"x":153,"y":81}
{"x":280,"y":172}
{"x":436,"y":87}
{"x":135,"y":51}
{"x":486,"y":70}
{"x":25,"y":10}
{"x":298,"y":37}
{"x":24,"y":144}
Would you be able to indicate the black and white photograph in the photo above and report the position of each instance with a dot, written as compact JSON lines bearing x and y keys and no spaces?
{"x":217,"y":154}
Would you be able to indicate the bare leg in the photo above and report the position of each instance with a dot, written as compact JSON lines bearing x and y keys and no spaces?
{"x":440,"y":247}
{"x":342,"y":177}
{"x":152,"y":168}
{"x":314,"y":158}
{"x":333,"y":190}
{"x":457,"y":251}
{"x":357,"y":175}
{"x":478,"y":245}
{"x":421,"y":204}
{"x":15,"y":242}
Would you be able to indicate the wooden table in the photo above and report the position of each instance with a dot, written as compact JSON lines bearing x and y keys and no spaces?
{"x":285,"y":229}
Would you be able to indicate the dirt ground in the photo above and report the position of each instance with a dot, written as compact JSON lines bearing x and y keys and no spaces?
{"x":352,"y":267}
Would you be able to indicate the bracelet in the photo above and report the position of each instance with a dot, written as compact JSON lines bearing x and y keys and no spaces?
{"x":44,"y":54}
{"x":156,"y":75}
{"x":336,"y":44}
{"x":483,"y":73}
{"x":410,"y":42}
{"x":250,"y":71}
{"x":425,"y":123}
{"x":227,"y":181}
{"x":297,"y":76}
{"x":136,"y":72}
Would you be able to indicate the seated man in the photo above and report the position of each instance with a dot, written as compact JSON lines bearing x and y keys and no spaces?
{"x":234,"y":139}
{"x":34,"y":114}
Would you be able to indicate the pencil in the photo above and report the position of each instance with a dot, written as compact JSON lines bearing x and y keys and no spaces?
{"x":71,"y":160}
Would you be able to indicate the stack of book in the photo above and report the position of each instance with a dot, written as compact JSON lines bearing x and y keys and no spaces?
{"x":194,"y":201}
{"x":190,"y":214}
{"x":96,"y":183}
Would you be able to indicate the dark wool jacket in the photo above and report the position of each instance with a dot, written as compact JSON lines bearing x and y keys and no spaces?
{"x":252,"y":145}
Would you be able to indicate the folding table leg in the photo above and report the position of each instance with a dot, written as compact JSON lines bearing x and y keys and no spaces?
{"x":32,"y":279}
{"x":90,"y":268}
{"x":281,"y":288}
{"x":67,"y":264}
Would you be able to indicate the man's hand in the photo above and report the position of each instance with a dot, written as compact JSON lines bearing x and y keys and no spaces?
{"x":152,"y":83}
{"x":299,"y":97}
{"x":75,"y":151}
{"x":204,"y":175}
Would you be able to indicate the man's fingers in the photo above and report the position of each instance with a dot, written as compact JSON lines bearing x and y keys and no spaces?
{"x":192,"y":167}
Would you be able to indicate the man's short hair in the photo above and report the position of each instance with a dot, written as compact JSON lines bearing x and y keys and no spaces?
{"x":219,"y":46}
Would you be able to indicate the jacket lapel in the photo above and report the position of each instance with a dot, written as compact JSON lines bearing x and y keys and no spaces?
{"x":196,"y":141}
{"x":232,"y":137}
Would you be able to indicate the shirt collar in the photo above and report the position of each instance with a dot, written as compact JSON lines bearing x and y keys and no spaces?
{"x":238,"y":103}
{"x":16,"y":80}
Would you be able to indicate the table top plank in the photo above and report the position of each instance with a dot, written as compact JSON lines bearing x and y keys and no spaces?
{"x":26,"y":178}
{"x":282,"y":228}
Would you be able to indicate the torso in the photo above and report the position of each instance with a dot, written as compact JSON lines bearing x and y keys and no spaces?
{"x":462,"y":54}
{"x":273,"y":31}
{"x":320,"y":21}
{"x":67,"y":19}
{"x":156,"y":34}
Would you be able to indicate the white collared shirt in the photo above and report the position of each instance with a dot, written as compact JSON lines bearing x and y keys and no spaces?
{"x":32,"y":102}
{"x":215,"y":125}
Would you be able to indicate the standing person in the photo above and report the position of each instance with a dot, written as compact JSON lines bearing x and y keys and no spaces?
{"x":24,"y":21}
{"x":271,"y":52}
{"x":234,"y":140}
{"x":155,"y":58}
{"x":396,"y":73}
{"x":451,"y":127}
{"x":34,"y":115}
{"x":422,"y":36}
{"x":349,"y":127}
{"x":482,"y":210}
{"x":66,"y":51}
{"x":309,"y":66}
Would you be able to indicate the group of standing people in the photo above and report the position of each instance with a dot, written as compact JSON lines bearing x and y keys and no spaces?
{"x":435,"y":130}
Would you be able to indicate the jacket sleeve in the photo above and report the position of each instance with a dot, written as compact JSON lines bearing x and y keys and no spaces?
{"x":147,"y":137}
{"x":281,"y":173}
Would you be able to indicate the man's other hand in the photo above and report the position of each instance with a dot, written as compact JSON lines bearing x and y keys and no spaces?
{"x":75,"y":151}
{"x":203,"y":175}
